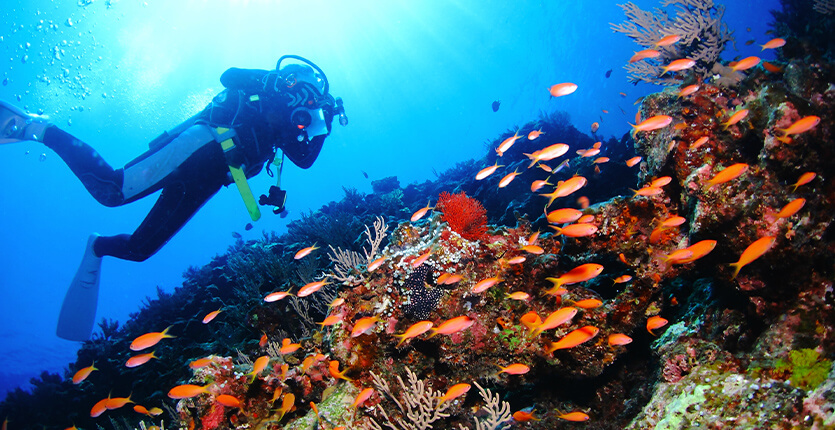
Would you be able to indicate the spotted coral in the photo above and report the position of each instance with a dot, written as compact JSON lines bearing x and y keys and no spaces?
{"x":465,"y":215}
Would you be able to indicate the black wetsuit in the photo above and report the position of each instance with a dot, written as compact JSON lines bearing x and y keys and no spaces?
{"x":187,"y":185}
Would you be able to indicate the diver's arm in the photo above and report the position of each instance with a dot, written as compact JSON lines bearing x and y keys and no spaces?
{"x":248,"y":80}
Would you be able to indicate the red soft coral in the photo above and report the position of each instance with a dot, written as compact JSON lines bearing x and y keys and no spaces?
{"x":214,"y":418}
{"x":465,"y":215}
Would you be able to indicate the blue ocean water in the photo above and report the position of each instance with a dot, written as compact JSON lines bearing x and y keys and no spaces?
{"x":418,"y":80}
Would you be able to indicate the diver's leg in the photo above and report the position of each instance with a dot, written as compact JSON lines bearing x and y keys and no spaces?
{"x":16,"y":125}
{"x":183,"y":193}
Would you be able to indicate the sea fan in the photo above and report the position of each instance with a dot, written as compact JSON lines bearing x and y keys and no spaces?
{"x":465,"y":215}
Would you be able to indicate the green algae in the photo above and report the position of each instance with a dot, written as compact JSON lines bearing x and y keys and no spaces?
{"x":807,"y":369}
{"x":675,"y":412}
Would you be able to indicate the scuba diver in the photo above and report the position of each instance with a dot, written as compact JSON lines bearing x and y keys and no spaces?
{"x":258,"y":118}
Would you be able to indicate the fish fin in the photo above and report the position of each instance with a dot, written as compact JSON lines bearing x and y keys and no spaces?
{"x":737,"y":267}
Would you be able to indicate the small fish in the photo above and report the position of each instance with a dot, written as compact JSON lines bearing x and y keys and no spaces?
{"x":453,"y":325}
{"x":564,"y":89}
{"x":576,"y":230}
{"x":333,"y":368}
{"x":562,"y":216}
{"x":729,"y":173}
{"x":678,"y":255}
{"x":229,"y":401}
{"x":507,"y":143}
{"x":454,"y":392}
{"x":773,"y":44}
{"x":745,"y":63}
{"x":678,"y":65}
{"x":117,"y":402}
{"x":276,"y":296}
{"x":574,"y":416}
{"x":330,"y":320}
{"x":600,"y":160}
{"x":622,"y":279}
{"x":735,"y":118}
{"x":508,"y":179}
{"x":99,"y":408}
{"x":287,"y":404}
{"x":533,"y":238}
{"x":804,"y":179}
{"x":82,"y":374}
{"x":141,"y":410}
{"x":644,"y":54}
{"x":534,"y":134}
{"x":530,"y":320}
{"x":311,"y":288}
{"x":585,"y":219}
{"x":259,"y":365}
{"x":421,"y":259}
{"x":516,"y":260}
{"x":588,"y":303}
{"x":248,"y":226}
{"x":287,"y":347}
{"x":565,"y":188}
{"x":515,"y":369}
{"x":366,"y":393}
{"x":595,"y":126}
{"x":655,"y":322}
{"x":688,"y":90}
{"x":524,"y":416}
{"x":749,"y":42}
{"x":588,"y":152}
{"x":421,"y":212}
{"x":364,"y":325}
{"x":372,"y":266}
{"x":653,"y":123}
{"x":791,"y":208}
{"x":680,"y":126}
{"x":200,"y":363}
{"x":801,"y":125}
{"x":673,"y":221}
{"x":699,"y":142}
{"x":699,"y":250}
{"x":450,"y":279}
{"x":496,"y":105}
{"x":365,"y":175}
{"x":211,"y":315}
{"x":539,"y":183}
{"x":574,"y":338}
{"x":609,"y":73}
{"x":484,"y":284}
{"x":660,"y":182}
{"x":414,"y":330}
{"x":648,"y":191}
{"x":155,"y":411}
{"x":556,"y":319}
{"x":518,"y":295}
{"x":187,"y":391}
{"x":771,"y":67}
{"x":753,"y":252}
{"x":667,"y":40}
{"x":622,"y":258}
{"x":304,"y":252}
{"x":140,"y":359}
{"x":533,"y":249}
{"x":548,"y":153}
{"x":622,"y":94}
{"x":487,"y":171}
{"x":632,"y":162}
{"x":148,"y":340}
{"x":619,"y":339}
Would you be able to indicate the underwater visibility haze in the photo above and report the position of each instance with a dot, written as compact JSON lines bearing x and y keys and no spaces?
{"x":528,"y":219}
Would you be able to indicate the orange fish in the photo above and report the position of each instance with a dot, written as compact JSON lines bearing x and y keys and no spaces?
{"x":548,"y":153}
{"x":791,"y":208}
{"x":735,"y":118}
{"x":678,"y":255}
{"x":305,"y":251}
{"x":287,"y":404}
{"x":588,"y":303}
{"x":622,"y":279}
{"x":680,"y":126}
{"x":515,"y":369}
{"x":454,"y":392}
{"x":619,"y":339}
{"x":155,"y":412}
{"x":673,"y":221}
{"x":576,"y":230}
{"x":533,"y":238}
{"x":804,"y":179}
{"x":647,"y":191}
{"x":287,"y":347}
{"x":263,"y":341}
{"x":200,"y":362}
{"x":773,"y":43}
{"x":364,"y":395}
{"x":562,"y":216}
{"x":82,"y":374}
{"x":699,"y":142}
{"x":688,"y":90}
{"x":632,"y":162}
{"x":699,"y":250}
{"x":508,"y":179}
{"x":227,"y":400}
{"x":594,"y":127}
{"x":566,"y":187}
{"x":211,"y":315}
{"x":660,"y":182}
{"x":276,"y":296}
{"x":148,"y":340}
{"x":574,"y":416}
{"x":414,"y":330}
{"x":453,"y":325}
{"x":600,"y":160}
{"x":518,"y":295}
{"x":99,"y":408}
{"x":421,"y":212}
{"x":142,"y":410}
{"x":187,"y":391}
{"x":583,"y":202}
{"x":801,"y":125}
{"x":729,"y":173}
{"x":516,"y":260}
{"x":622,"y":258}
{"x":539,"y":183}
{"x":330,"y":320}
{"x":556,"y":319}
{"x":753,"y":252}
{"x":535,"y":133}
{"x":533,"y":249}
{"x":652,"y":123}
{"x":644,"y":54}
{"x":483,"y":285}
{"x":140,"y":359}
{"x":450,"y":279}
{"x":333,"y":368}
{"x":117,"y":402}
{"x":771,"y":67}
{"x":311,"y":288}
{"x":678,"y":65}
{"x":421,"y":259}
{"x":372,"y":266}
{"x":530,"y":320}
{"x":524,"y":416}
{"x":588,"y":152}
{"x":259,"y":365}
{"x":364,"y":325}
{"x":563,"y":89}
{"x":507,"y":143}
{"x":655,"y":322}
{"x":746,"y":63}
{"x":667,"y":40}
{"x":573,"y":338}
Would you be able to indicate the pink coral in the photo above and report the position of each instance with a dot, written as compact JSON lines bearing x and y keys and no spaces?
{"x":214,"y":418}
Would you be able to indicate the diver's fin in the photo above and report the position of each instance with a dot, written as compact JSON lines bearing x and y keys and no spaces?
{"x":78,"y":313}
{"x":16,"y":125}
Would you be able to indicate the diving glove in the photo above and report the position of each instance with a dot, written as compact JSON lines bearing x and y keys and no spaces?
{"x":16,"y":125}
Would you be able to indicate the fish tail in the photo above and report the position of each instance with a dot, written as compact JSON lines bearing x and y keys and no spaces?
{"x":737,"y":267}
{"x":402,"y":339}
{"x":165,"y":334}
{"x":558,"y":229}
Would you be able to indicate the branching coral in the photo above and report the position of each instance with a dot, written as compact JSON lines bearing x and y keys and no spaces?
{"x":697,"y":22}
{"x":465,"y":215}
{"x":419,"y":405}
